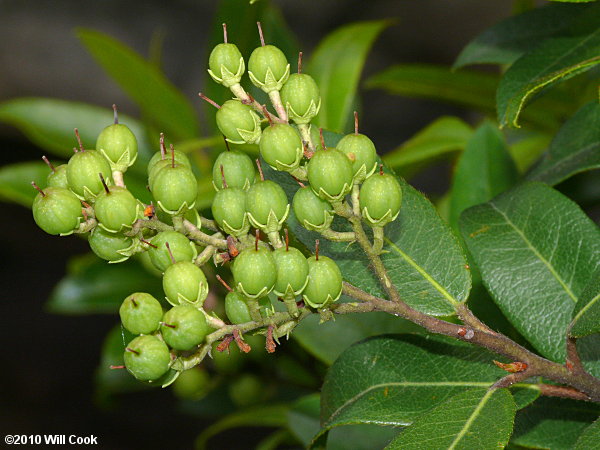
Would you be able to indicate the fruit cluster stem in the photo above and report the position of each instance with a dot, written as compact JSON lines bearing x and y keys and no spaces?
{"x":278,"y":105}
{"x":191,"y":231}
{"x":117,"y":176}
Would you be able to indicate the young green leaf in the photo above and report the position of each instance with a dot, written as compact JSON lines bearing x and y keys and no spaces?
{"x":392,"y":380}
{"x":586,"y":315}
{"x":575,"y":148}
{"x":442,"y":136}
{"x":536,"y":250}
{"x":467,"y":88}
{"x":506,"y":41}
{"x":477,"y":418}
{"x":161,"y":102}
{"x":15,"y":181}
{"x":336,"y":66}
{"x":553,"y":423}
{"x":484,"y":170}
{"x":554,"y":60}
{"x":85,"y":289}
{"x":590,"y":438}
{"x":49,"y":123}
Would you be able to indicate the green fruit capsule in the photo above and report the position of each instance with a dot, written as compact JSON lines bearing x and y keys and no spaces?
{"x":267,"y":205}
{"x":324,"y":282}
{"x":112,"y":247}
{"x":175,"y":189}
{"x":312,"y":211}
{"x":180,"y":158}
{"x":268,"y":68}
{"x":301,"y":98}
{"x":183,"y":283}
{"x":147,"y":358}
{"x":184,"y":327}
{"x":141,"y":313}
{"x":281,"y":147}
{"x":229,"y":211}
{"x":237,"y":311}
{"x":254,"y":272}
{"x":246,"y":390}
{"x":238,"y":123}
{"x":58,"y":177}
{"x":118,"y":145}
{"x":226,"y":64}
{"x":57,"y":211}
{"x":192,"y":384}
{"x":181,"y":247}
{"x":330,"y":174}
{"x":292,"y":271}
{"x":238,"y":170}
{"x":116,"y":209}
{"x":360,"y":150}
{"x":380,"y":199}
{"x":82,"y":174}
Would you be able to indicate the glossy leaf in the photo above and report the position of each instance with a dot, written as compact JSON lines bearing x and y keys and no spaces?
{"x":590,"y":438}
{"x":553,"y":423}
{"x":392,"y":380}
{"x":554,"y":60}
{"x":336,"y":66}
{"x":586,"y":315}
{"x":326,"y":341}
{"x":303,"y":418}
{"x":575,"y":148}
{"x":92,"y":286}
{"x":477,"y":418}
{"x":424,"y":259}
{"x":273,"y":415}
{"x":444,"y":135}
{"x":528,"y":147}
{"x":509,"y":39}
{"x":536,"y":251}
{"x":49,"y":123}
{"x":15,"y":181}
{"x":160,"y":101}
{"x":484,"y":170}
{"x":467,"y":88}
{"x":588,"y":348}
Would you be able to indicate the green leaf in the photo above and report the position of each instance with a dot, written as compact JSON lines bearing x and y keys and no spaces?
{"x":49,"y":123}
{"x":392,"y":380}
{"x":573,"y":1}
{"x":536,"y":251}
{"x":484,"y":170}
{"x":590,"y":438}
{"x":303,"y":418}
{"x":468,"y":88}
{"x":425,"y":260}
{"x":552,"y":423}
{"x":336,"y":66}
{"x":15,"y":181}
{"x":260,"y":416}
{"x":527,"y":147}
{"x":588,"y":348}
{"x":444,"y":135}
{"x":575,"y":148}
{"x":93,"y":286}
{"x":328,"y":340}
{"x":586,"y":315}
{"x":160,"y":101}
{"x":509,"y":39}
{"x":554,"y":60}
{"x":477,"y":418}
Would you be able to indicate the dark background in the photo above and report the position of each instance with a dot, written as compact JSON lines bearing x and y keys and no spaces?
{"x":48,"y":361}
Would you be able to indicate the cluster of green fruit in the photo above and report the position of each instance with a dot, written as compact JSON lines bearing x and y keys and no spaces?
{"x":88,"y":196}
